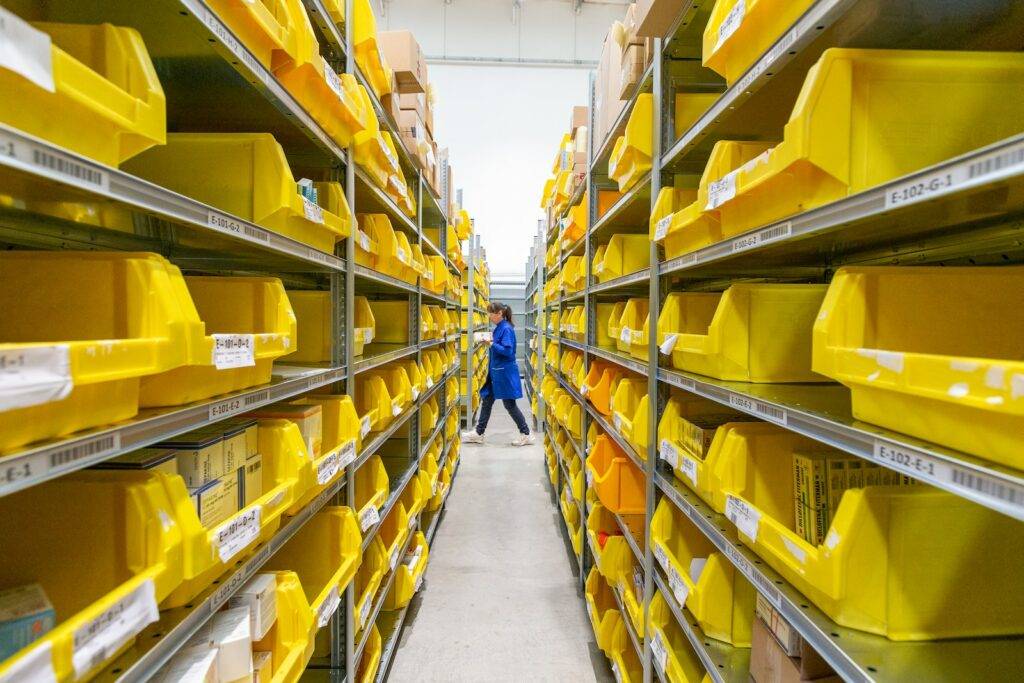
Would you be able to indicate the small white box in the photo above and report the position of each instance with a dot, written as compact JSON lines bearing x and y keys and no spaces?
{"x":260,"y":597}
{"x":195,"y":665}
{"x":234,"y":645}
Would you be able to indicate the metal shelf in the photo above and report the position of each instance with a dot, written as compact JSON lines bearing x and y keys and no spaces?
{"x":635,"y":544}
{"x":604,"y":151}
{"x":372,"y":281}
{"x":637,"y":642}
{"x":883,"y":228}
{"x":382,"y":591}
{"x":631,"y":213}
{"x":619,"y":358}
{"x":634,"y":283}
{"x":393,"y":498}
{"x":158,"y":642}
{"x":823,"y":412}
{"x":372,"y":199}
{"x":723,"y":662}
{"x":375,"y":355}
{"x":855,"y":655}
{"x":757,"y":106}
{"x":62,"y":175}
{"x":37,"y":463}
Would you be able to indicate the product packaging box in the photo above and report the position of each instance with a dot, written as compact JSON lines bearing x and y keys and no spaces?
{"x":154,"y":459}
{"x":231,"y":632}
{"x":262,"y":667}
{"x":697,"y":432}
{"x":199,"y":455}
{"x":404,"y":56}
{"x":241,"y":441}
{"x":309,"y":418}
{"x":259,"y":596}
{"x":654,"y":18}
{"x":634,"y":57}
{"x":195,"y":665}
{"x":26,"y":615}
{"x":252,"y":480}
{"x":216,"y":501}
{"x":580,"y":117}
{"x":769,"y":662}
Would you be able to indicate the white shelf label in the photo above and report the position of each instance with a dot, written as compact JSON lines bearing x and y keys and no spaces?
{"x":659,"y":651}
{"x":721,"y":191}
{"x":364,"y":613}
{"x":759,"y":408}
{"x":396,"y":410}
{"x":239,"y":404}
{"x":369,"y":517}
{"x":393,"y":560}
{"x":328,"y":468}
{"x":234,"y":351}
{"x":34,"y":375}
{"x":34,"y":667}
{"x":661,"y":556}
{"x":625,"y":335}
{"x":756,"y":239}
{"x":364,"y":426}
{"x":98,"y":639}
{"x":429,"y":382}
{"x":232,"y":226}
{"x":616,"y":672}
{"x":669,"y":344}
{"x":25,"y":50}
{"x":367,"y":335}
{"x":328,"y":607}
{"x":669,"y":453}
{"x":744,"y":516}
{"x":660,"y":229}
{"x":233,"y":536}
{"x":679,"y":588}
{"x":313,"y":211}
{"x":731,"y":23}
{"x":688,"y":466}
{"x":364,"y":240}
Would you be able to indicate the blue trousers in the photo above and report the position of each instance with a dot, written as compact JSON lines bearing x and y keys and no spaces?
{"x":510,"y":405}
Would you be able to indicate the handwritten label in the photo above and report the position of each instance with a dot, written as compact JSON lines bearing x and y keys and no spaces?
{"x":661,"y":228}
{"x":743,"y":515}
{"x":328,"y":468}
{"x":233,"y":536}
{"x":328,"y":607}
{"x":234,"y":351}
{"x":312,"y":211}
{"x":98,"y":639}
{"x":721,"y":191}
{"x":688,"y":466}
{"x":369,"y":517}
{"x":34,"y":375}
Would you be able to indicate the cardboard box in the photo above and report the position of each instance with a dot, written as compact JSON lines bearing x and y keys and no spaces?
{"x":262,"y":667}
{"x":216,"y":501}
{"x":252,"y":480}
{"x":199,"y":455}
{"x":608,"y":102}
{"x":414,"y":133}
{"x":392,"y":102}
{"x":654,"y":18}
{"x":231,"y":632}
{"x":154,"y":459}
{"x":309,"y":418}
{"x":193,"y":665}
{"x":259,"y":596}
{"x":580,"y":117}
{"x":404,"y":56}
{"x":769,"y":662}
{"x":241,"y":442}
{"x":416,"y":102}
{"x":697,"y":432}
{"x":632,"y":69}
{"x":26,"y":615}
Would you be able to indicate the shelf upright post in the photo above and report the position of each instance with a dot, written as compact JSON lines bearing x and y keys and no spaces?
{"x":654,"y":309}
{"x":542,"y":324}
{"x":414,"y":426}
{"x":344,"y":629}
{"x":589,"y":309}
{"x":467,"y":396}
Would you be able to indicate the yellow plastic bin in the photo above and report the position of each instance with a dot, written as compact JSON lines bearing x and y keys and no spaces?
{"x":249,"y":323}
{"x":290,"y":640}
{"x":392,"y":255}
{"x":101,"y":321}
{"x":111,"y":547}
{"x":375,"y":402}
{"x":313,"y":317}
{"x":372,"y":489}
{"x":391,"y":321}
{"x":712,"y":590}
{"x":738,"y":32}
{"x":408,"y":573}
{"x":367,"y":51}
{"x":927,"y":351}
{"x":625,"y":404}
{"x":614,"y":324}
{"x":598,"y":383}
{"x":631,"y":325}
{"x":366,"y":246}
{"x":602,"y":609}
{"x":325,"y":554}
{"x":393,"y":532}
{"x":105,"y":102}
{"x":618,"y":482}
{"x":268,"y":30}
{"x":681,"y":663}
{"x":610,"y":548}
{"x":631,"y":156}
{"x":573,"y":274}
{"x":682,"y":446}
{"x":414,"y":497}
{"x":399,"y":387}
{"x":906,"y":562}
{"x":341,"y":441}
{"x":836,"y":142}
{"x":370,"y":662}
{"x":696,"y":221}
{"x":368,"y":579}
{"x":245,"y":175}
{"x":631,"y":590}
{"x":576,"y":222}
{"x":375,"y":153}
{"x":750,"y":333}
{"x":624,"y":254}
{"x":625,"y":664}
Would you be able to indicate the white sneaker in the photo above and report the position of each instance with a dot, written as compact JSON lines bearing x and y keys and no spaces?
{"x":472,"y":437}
{"x":522,"y":440}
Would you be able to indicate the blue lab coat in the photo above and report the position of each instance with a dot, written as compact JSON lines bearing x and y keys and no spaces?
{"x":503,"y":371}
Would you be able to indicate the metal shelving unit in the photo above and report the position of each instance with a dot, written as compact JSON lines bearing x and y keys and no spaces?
{"x":213,"y":82}
{"x":891,"y":224}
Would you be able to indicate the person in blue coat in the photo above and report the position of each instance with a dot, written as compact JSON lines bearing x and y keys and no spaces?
{"x":502,"y":378}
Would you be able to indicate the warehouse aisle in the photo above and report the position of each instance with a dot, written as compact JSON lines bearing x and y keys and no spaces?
{"x":502,"y":603}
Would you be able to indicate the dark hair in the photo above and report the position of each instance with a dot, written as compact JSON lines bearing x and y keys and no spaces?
{"x":506,"y":312}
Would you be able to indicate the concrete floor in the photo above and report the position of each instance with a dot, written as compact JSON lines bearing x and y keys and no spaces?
{"x":500,"y":600}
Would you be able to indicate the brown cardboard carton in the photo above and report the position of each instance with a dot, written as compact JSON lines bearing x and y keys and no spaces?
{"x":769,"y":663}
{"x":632,"y":69}
{"x":413,"y":132}
{"x":415,"y":101}
{"x":580,"y":117}
{"x":609,"y":103}
{"x":654,"y":18}
{"x":404,"y":56}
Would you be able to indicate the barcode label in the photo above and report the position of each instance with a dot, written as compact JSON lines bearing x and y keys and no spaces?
{"x":65,"y":166}
{"x":756,"y":239}
{"x":759,"y":408}
{"x":731,"y":23}
{"x":328,"y":607}
{"x":26,"y":50}
{"x":369,"y":517}
{"x":233,"y":226}
{"x":987,"y":486}
{"x":660,"y":229}
{"x":317,"y":255}
{"x":99,"y":638}
{"x":233,"y":536}
{"x":239,"y":404}
{"x":996,"y":162}
{"x":225,"y":36}
{"x":65,"y":458}
{"x":942,"y":182}
{"x":743,"y":515}
{"x":234,"y":351}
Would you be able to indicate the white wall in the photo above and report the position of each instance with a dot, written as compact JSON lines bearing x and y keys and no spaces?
{"x":502,"y":124}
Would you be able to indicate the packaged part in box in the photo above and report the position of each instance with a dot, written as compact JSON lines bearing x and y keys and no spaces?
{"x":231,"y":631}
{"x":241,"y":442}
{"x":25,"y":616}
{"x":199,"y":455}
{"x":404,"y":56}
{"x":259,"y":596}
{"x":194,"y":665}
{"x":308,"y":417}
{"x":216,"y":500}
{"x":156,"y":459}
{"x":262,"y":667}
